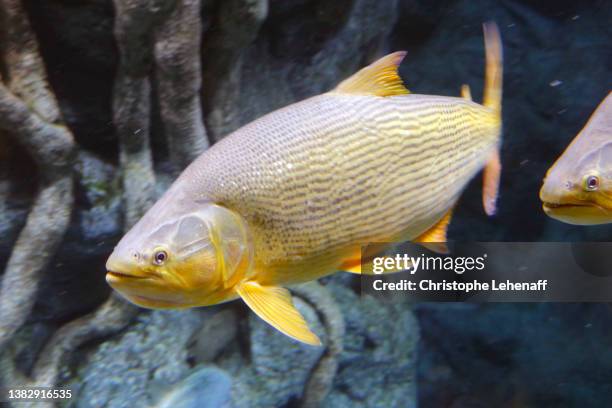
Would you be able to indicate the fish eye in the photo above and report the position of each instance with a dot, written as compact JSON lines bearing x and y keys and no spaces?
{"x":591,"y":183}
{"x":160,"y":257}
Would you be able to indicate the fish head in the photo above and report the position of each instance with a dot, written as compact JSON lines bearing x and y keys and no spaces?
{"x":578,"y":187}
{"x":189,"y":260}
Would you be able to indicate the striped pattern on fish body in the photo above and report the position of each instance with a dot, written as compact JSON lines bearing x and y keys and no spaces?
{"x":336,"y":171}
{"x":293,"y":195}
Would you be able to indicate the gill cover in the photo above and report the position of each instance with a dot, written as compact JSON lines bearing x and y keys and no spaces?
{"x":226,"y":232}
{"x":229,"y":237}
{"x":211,"y":242}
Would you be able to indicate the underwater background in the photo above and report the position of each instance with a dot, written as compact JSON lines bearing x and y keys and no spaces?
{"x":257,"y":56}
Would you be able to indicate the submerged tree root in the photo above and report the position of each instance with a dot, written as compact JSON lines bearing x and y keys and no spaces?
{"x":238,"y":24}
{"x":138,"y":24}
{"x":178,"y":73}
{"x":114,"y":315}
{"x":322,"y":376}
{"x":135,"y":21}
{"x":28,"y":111}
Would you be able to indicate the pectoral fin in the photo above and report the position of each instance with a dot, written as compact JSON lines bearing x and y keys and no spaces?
{"x":434,"y":238}
{"x":274,"y":305}
{"x":490,"y":183}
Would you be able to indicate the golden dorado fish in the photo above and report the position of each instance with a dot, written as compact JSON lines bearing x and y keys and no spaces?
{"x":578,"y":187}
{"x":292,"y":196}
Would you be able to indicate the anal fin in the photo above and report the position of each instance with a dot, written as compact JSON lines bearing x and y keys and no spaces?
{"x":352,"y":266}
{"x":434,"y":238}
{"x":367,"y":269}
{"x":274,"y":305}
{"x":364,"y":267}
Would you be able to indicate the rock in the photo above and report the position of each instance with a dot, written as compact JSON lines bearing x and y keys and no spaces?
{"x":216,"y":334}
{"x":279,"y":366}
{"x":150,"y":362}
{"x":131,"y":369}
{"x":378,"y":365}
{"x":208,"y":387}
{"x":540,"y":355}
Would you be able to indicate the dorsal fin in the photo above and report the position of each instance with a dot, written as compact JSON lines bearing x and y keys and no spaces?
{"x":378,"y":79}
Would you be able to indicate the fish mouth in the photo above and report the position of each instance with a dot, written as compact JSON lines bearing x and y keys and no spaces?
{"x":577,"y":213}
{"x":117,"y":276}
{"x":552,"y":206}
{"x":568,"y":205}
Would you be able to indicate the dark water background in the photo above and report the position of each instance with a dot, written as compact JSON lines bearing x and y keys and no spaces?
{"x":557,"y":68}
